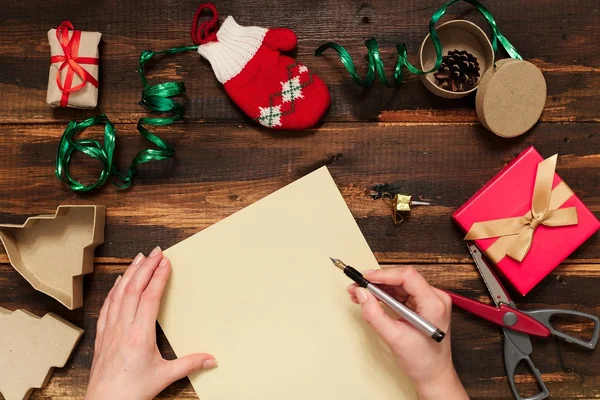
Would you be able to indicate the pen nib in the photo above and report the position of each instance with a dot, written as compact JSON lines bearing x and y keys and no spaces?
{"x":338,"y":263}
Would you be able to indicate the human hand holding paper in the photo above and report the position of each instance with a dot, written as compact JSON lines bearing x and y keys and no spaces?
{"x":127,"y":363}
{"x":426,"y":362}
{"x":294,"y":325}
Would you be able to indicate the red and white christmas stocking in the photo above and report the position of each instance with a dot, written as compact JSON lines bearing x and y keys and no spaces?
{"x":271,"y":88}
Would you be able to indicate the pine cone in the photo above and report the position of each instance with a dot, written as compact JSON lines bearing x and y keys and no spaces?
{"x":458,"y":72}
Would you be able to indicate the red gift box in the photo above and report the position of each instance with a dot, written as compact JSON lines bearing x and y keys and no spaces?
{"x":560,"y":224}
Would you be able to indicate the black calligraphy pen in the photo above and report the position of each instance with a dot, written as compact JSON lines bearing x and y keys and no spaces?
{"x":409,"y":315}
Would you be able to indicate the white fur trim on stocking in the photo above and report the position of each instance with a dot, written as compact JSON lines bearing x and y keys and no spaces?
{"x":236,"y":46}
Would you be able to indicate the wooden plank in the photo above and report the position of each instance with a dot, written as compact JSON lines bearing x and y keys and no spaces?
{"x":570,"y":372}
{"x":222,"y":168}
{"x":553,"y":36}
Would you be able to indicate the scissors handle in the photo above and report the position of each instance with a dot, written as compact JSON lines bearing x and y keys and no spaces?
{"x":544,"y":317}
{"x":513,"y":357}
{"x":504,"y":315}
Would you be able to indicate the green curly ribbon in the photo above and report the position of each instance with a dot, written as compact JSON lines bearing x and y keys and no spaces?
{"x":157,"y":98}
{"x":375,"y":64}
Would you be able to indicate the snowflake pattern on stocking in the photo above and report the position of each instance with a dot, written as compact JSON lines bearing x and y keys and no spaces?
{"x":270,"y":116}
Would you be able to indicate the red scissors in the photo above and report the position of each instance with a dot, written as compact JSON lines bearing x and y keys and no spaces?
{"x":518,"y":325}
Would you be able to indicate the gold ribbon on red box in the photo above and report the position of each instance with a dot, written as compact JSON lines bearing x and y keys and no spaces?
{"x":515,"y":234}
{"x":71,"y":62}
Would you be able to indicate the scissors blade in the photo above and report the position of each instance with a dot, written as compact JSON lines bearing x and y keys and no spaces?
{"x":520,"y":340}
{"x":496,"y":290}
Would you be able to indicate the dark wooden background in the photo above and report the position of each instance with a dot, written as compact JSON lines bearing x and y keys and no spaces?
{"x":433,"y":148}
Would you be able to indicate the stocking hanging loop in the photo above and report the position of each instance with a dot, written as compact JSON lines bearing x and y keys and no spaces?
{"x":206,"y":31}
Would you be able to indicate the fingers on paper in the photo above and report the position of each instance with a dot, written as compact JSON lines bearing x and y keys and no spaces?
{"x":352,"y":292}
{"x":102,"y":317}
{"x":184,"y":366}
{"x":150,"y":302}
{"x":375,"y":316}
{"x":137,"y":285}
{"x":114,"y":307}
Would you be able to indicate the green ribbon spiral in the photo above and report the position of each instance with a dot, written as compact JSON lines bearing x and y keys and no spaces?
{"x":375,"y":64}
{"x":157,"y":98}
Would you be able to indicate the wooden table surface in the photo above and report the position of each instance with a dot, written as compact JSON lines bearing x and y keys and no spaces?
{"x":431,"y":147}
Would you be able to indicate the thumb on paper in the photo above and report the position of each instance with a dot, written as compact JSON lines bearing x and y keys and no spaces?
{"x":184,"y":366}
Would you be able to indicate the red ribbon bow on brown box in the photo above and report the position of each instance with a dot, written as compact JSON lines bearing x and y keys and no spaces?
{"x":75,"y":56}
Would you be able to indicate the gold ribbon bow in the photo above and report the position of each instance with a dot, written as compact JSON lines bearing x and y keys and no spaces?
{"x":515,"y":234}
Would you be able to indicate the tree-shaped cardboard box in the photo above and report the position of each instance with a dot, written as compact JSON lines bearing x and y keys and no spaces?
{"x":54,"y":252}
{"x":30,"y":349}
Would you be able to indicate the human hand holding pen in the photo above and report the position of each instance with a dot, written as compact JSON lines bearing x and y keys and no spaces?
{"x":426,"y":362}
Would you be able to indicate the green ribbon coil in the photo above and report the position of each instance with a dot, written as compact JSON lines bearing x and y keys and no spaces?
{"x":156,"y":98}
{"x":375,"y":64}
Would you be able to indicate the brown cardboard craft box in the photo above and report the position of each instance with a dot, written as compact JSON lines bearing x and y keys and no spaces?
{"x":31,"y":348}
{"x":53,"y":252}
{"x":511,"y":97}
{"x":455,"y":35}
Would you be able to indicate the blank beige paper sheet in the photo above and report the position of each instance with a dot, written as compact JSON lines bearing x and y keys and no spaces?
{"x":258,"y":291}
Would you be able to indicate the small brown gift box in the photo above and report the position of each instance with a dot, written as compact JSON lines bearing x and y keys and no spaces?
{"x":73,"y":78}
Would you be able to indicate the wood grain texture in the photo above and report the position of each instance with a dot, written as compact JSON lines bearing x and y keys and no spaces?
{"x":570,"y":372}
{"x":432,"y":148}
{"x":554,"y":36}
{"x":220,"y":169}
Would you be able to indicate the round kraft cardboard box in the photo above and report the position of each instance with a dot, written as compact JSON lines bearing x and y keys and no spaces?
{"x":512,"y":97}
{"x":455,"y":35}
{"x":483,"y":84}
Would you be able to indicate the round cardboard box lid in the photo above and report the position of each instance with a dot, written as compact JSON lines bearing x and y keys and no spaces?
{"x":511,"y":97}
